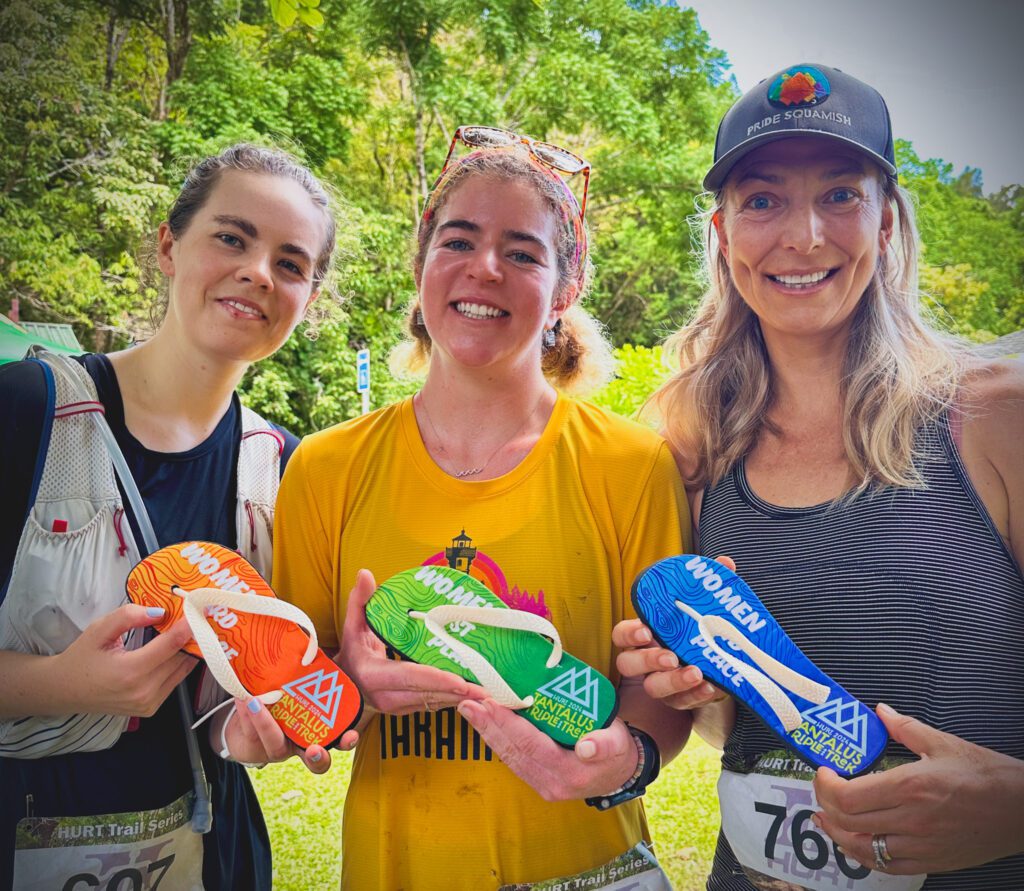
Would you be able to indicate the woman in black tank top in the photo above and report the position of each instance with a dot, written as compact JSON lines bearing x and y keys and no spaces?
{"x":864,"y":473}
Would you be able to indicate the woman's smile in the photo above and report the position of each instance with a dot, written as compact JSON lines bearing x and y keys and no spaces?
{"x":239,"y":308}
{"x":474,"y":310}
{"x":489,"y":277}
{"x":802,"y":282}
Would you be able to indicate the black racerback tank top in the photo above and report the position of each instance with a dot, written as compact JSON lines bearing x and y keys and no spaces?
{"x":904,"y":596}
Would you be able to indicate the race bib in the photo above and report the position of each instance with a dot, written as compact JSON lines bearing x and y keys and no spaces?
{"x":766,"y":817}
{"x":636,"y":870}
{"x":145,"y":851}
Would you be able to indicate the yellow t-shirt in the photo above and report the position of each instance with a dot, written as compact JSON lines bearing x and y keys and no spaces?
{"x":563,"y":534}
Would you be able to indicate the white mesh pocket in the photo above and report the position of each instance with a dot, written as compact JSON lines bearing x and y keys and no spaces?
{"x":259,"y":460}
{"x":77,"y":465}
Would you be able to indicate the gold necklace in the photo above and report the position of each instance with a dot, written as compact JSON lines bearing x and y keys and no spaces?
{"x":474,"y":471}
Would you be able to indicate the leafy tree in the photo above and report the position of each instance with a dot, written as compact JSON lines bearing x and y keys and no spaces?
{"x":368,"y":93}
{"x":176,"y":25}
{"x":979,"y":245}
{"x":80,"y":176}
{"x":285,"y":12}
{"x":958,"y":301}
{"x":641,"y":370}
{"x":249,"y":83}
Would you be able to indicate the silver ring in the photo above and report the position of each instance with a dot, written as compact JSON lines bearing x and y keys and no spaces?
{"x":881,"y":851}
{"x":884,"y":848}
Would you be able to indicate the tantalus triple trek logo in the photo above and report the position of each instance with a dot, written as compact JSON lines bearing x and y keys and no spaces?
{"x":845,"y":718}
{"x":800,"y":86}
{"x":320,"y":688}
{"x":577,"y":686}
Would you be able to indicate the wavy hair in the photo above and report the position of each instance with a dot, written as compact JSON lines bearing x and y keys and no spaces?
{"x":898,"y":373}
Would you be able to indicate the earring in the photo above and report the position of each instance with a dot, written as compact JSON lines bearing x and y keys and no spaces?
{"x":418,"y":318}
{"x":550,"y":335}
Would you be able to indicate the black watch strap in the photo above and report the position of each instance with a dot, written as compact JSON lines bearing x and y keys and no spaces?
{"x":647,"y":770}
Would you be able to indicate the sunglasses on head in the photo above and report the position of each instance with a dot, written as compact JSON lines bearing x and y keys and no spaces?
{"x":553,"y":156}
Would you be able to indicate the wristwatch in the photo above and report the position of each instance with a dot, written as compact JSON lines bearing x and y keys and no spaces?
{"x":647,"y":769}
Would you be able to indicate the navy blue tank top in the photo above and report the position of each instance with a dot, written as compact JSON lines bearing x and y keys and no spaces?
{"x":904,"y":596}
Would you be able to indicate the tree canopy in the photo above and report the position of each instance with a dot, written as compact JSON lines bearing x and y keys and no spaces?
{"x":104,"y":102}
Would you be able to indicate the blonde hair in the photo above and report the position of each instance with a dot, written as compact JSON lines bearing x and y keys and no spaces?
{"x":581,"y":359}
{"x":898,"y":373}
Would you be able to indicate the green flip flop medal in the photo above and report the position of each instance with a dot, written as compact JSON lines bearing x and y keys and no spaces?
{"x":439,"y":616}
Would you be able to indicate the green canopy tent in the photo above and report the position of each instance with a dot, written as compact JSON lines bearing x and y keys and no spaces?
{"x":15,"y":341}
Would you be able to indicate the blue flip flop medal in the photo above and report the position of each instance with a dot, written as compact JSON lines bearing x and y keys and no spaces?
{"x":708,"y":616}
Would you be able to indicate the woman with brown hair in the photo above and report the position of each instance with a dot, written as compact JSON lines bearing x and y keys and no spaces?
{"x":102,"y":783}
{"x":553,"y":503}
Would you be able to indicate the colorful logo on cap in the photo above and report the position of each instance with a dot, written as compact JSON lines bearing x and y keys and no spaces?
{"x":799,"y":86}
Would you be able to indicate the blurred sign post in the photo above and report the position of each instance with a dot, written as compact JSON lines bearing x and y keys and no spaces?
{"x":363,"y":377}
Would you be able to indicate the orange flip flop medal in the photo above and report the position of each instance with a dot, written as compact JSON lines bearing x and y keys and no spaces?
{"x":253,"y":643}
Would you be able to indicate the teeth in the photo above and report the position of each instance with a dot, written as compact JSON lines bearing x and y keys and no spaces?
{"x":241,"y":307}
{"x":479,"y":311}
{"x":793,"y":280}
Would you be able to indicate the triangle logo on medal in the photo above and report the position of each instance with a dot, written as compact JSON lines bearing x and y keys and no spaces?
{"x":322,"y":689}
{"x":578,"y":686}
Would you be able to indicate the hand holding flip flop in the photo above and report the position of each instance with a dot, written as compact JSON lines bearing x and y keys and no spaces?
{"x":569,"y":746}
{"x":956,"y":807}
{"x":709,"y":617}
{"x":260,"y":649}
{"x":681,"y":687}
{"x":389,"y":686}
{"x":443,"y":618}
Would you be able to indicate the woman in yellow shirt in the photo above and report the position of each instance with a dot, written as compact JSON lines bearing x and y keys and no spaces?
{"x":555,"y":504}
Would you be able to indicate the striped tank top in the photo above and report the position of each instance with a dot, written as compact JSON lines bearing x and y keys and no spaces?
{"x":908,"y":597}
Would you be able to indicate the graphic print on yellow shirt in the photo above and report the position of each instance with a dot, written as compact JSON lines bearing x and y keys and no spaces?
{"x":449,"y":733}
{"x":445,"y":618}
{"x":462,"y":555}
{"x":597,"y":500}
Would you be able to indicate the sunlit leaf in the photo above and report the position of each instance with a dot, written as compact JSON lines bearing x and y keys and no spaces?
{"x":284,"y":12}
{"x":312,"y":17}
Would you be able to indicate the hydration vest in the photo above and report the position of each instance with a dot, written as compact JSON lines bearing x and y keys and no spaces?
{"x":77,"y":548}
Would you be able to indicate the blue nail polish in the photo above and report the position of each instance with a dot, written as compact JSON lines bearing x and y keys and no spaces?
{"x":254,"y":706}
{"x":154,"y":612}
{"x":315,"y":757}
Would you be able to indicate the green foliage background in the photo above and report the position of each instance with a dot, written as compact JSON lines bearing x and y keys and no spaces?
{"x":104,"y":102}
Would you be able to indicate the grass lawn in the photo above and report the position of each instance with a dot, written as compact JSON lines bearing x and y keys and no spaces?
{"x":304,"y":815}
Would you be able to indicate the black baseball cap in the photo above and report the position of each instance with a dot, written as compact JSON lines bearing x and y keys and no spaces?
{"x":800,"y":100}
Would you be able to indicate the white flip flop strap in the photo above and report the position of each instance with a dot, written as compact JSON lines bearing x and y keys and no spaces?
{"x":195,"y":604}
{"x":487,"y":675}
{"x":782,"y":674}
{"x":763,"y":681}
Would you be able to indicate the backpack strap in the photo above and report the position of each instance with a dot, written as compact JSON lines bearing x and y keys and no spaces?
{"x":76,"y":464}
{"x":259,"y":459}
{"x":44,"y":447}
{"x":259,"y":476}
